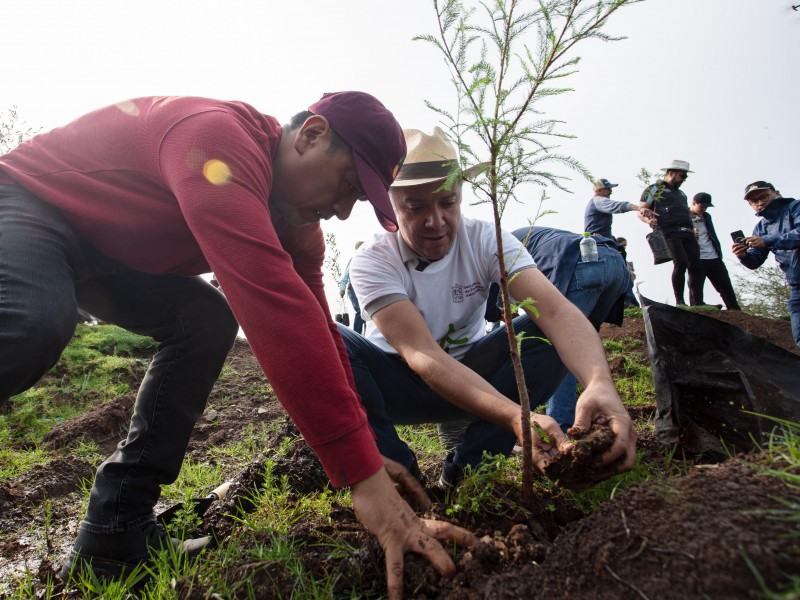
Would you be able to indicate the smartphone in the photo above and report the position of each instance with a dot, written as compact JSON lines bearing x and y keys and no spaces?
{"x":738,"y":237}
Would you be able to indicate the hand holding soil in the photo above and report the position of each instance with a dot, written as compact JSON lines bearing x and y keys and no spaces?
{"x":600,"y":404}
{"x":581,"y":465}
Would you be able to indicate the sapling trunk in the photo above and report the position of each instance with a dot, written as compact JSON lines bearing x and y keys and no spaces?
{"x":516,"y":362}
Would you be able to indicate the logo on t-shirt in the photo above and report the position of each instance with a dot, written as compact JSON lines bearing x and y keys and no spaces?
{"x":460,"y":291}
{"x":446,"y":342}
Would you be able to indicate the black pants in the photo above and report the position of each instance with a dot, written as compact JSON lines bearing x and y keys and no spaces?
{"x":717,"y":274}
{"x":685,"y":253}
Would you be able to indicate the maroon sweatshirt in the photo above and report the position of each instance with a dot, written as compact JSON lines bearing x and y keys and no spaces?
{"x":180,"y":185}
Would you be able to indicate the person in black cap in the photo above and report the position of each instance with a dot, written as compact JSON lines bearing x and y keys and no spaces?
{"x":599,"y":211}
{"x":711,"y":261}
{"x":778,"y":232}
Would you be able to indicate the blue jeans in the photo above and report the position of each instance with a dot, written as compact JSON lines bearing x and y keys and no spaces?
{"x":393,"y":394}
{"x":47,"y":271}
{"x":358,"y":322}
{"x":794,"y":312}
{"x":594,"y":288}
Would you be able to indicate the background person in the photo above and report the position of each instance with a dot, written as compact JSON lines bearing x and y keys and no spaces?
{"x":777,"y":232}
{"x":600,"y":211}
{"x":426,"y":357}
{"x":597,"y":288}
{"x":711,"y":262}
{"x":675,"y":221}
{"x":120,"y":211}
{"x":346,"y":288}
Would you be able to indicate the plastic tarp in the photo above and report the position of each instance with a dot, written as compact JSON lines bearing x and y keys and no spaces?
{"x":716,"y":385}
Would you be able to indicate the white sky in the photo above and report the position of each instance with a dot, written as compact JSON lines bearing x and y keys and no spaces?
{"x":714,"y":82}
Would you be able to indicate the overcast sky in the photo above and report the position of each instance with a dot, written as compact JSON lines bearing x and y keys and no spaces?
{"x":712,"y":82}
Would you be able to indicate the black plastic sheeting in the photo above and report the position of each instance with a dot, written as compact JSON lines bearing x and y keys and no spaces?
{"x":716,"y":385}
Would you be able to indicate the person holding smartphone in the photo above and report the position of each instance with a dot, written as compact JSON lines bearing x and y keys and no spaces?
{"x":777,"y":232}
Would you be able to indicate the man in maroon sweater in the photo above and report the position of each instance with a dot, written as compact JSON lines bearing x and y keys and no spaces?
{"x":120,"y":211}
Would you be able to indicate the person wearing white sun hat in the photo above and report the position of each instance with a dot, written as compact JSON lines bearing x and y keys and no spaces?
{"x":426,"y":356}
{"x":675,"y":221}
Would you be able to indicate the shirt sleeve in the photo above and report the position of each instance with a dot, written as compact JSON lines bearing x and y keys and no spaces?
{"x":790,"y":238}
{"x":609,"y":206}
{"x":378,"y":276}
{"x":516,"y":256}
{"x":274,"y":287}
{"x":648,"y":195}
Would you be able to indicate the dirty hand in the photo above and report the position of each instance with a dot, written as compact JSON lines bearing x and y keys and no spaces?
{"x":407,"y":485}
{"x":647,"y":213}
{"x":549,"y":442}
{"x":600,"y":404}
{"x":380,"y":509}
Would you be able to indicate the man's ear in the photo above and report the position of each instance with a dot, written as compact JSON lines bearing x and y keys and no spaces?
{"x":314,"y":130}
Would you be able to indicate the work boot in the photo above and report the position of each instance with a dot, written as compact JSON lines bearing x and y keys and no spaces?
{"x":452,"y":474}
{"x":112,"y":554}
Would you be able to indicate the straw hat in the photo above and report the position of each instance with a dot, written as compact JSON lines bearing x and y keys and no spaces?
{"x":429,"y":158}
{"x":678,"y":165}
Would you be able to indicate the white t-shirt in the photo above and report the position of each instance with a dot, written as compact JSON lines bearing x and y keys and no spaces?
{"x":707,"y":250}
{"x":450,"y":293}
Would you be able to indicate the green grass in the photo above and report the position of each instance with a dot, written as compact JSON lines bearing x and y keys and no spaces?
{"x":98,"y":365}
{"x":635,"y":383}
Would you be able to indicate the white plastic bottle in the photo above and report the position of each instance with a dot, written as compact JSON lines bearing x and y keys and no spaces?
{"x":588,"y":248}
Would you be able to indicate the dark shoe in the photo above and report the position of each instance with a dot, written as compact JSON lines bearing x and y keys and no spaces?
{"x":451,"y":475}
{"x":112,"y":554}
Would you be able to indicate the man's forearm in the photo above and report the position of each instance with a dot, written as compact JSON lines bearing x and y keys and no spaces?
{"x":464,"y":388}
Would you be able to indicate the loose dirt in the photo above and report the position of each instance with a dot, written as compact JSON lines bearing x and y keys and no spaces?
{"x":713,"y":531}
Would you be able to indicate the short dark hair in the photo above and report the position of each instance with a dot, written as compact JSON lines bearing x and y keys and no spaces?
{"x":337,"y":143}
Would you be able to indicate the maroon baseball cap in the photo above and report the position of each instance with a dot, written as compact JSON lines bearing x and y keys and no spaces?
{"x":376,"y":139}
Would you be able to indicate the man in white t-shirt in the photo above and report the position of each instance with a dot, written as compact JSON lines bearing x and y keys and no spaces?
{"x":426,"y":357}
{"x":710,"y":255}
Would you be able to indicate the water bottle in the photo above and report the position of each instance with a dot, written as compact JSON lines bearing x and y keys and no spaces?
{"x":588,"y":248}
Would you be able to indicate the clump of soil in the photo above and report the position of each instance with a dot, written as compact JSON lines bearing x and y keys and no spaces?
{"x":104,"y":425}
{"x":578,"y":465}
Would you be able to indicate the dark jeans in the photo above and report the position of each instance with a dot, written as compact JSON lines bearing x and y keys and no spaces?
{"x":685,"y":253}
{"x":717,"y":274}
{"x":47,"y":271}
{"x":394,"y":395}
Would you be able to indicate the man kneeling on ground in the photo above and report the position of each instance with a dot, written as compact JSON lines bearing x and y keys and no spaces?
{"x":426,"y":357}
